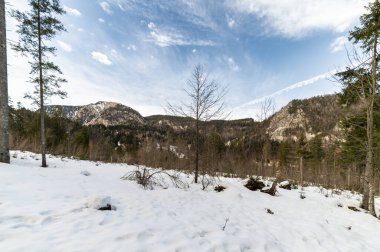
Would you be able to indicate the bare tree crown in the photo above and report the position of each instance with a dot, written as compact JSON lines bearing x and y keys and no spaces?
{"x":205,"y":98}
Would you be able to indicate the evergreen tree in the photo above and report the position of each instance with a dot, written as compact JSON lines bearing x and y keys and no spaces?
{"x":316,"y":156}
{"x":36,"y":28}
{"x":302,"y":153}
{"x":4,"y":110}
{"x":361,"y":84}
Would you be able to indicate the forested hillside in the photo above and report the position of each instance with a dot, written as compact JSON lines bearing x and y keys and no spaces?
{"x":312,"y":130}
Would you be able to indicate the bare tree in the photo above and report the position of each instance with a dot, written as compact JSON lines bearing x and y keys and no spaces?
{"x":205,"y":103}
{"x":267,"y":108}
{"x":4,"y":110}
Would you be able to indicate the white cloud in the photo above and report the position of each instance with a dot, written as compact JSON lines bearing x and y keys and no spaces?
{"x":106,"y":7}
{"x":173,"y":38}
{"x":232,"y":64}
{"x":131,"y":47}
{"x":66,"y":47}
{"x":151,"y":26}
{"x":194,"y":50}
{"x":231,"y":22}
{"x":101,"y":20}
{"x":296,"y":18}
{"x":338,"y":44}
{"x":72,"y":12}
{"x":102,"y":58}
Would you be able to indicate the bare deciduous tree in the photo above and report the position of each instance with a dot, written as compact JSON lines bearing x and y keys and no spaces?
{"x":267,"y":108}
{"x":4,"y":111}
{"x":205,"y":103}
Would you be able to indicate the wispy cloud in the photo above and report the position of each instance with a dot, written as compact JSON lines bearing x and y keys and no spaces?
{"x":173,"y":38}
{"x":72,"y":12}
{"x":102,"y":58}
{"x":300,"y":84}
{"x":66,"y":47}
{"x":338,"y":44}
{"x":232,"y":64}
{"x":297,"y":18}
{"x":106,"y":7}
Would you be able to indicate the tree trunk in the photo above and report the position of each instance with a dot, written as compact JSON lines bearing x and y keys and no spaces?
{"x":301,"y":171}
{"x":196,"y":152}
{"x":4,"y":109}
{"x":42,"y":108}
{"x":349,"y":176}
{"x":368,"y":196}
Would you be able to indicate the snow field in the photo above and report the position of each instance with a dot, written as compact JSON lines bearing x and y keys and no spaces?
{"x":55,"y":209}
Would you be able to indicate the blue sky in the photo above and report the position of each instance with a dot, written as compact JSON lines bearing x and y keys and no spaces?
{"x":141,"y":53}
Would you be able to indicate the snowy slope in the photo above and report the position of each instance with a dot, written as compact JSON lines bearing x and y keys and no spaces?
{"x":51,"y":210}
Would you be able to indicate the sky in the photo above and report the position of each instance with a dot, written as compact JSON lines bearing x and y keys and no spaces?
{"x":141,"y":53}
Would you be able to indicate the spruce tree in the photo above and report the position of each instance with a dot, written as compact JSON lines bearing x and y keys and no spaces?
{"x":362,"y":81}
{"x":36,"y":28}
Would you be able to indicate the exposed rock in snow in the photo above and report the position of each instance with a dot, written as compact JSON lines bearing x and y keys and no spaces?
{"x":99,"y":202}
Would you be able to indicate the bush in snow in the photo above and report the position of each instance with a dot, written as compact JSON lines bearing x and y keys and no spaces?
{"x":149,"y":178}
{"x":254,"y":184}
{"x":206,"y":181}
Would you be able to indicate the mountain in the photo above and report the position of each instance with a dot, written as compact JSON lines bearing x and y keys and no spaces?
{"x":319,"y":115}
{"x":100,"y":113}
{"x":315,"y":116}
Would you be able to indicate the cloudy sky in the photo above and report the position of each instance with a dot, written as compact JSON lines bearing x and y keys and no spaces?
{"x":141,"y":52}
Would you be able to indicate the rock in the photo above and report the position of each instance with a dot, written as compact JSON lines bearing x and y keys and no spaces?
{"x":219,"y":188}
{"x":254,"y":184}
{"x":106,"y":208}
{"x":353,"y":208}
{"x":285,"y":185}
{"x":270,"y":190}
{"x":269,"y":211}
{"x":100,"y":203}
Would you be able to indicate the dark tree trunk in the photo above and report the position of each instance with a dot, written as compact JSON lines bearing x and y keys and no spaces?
{"x":42,"y":108}
{"x":4,"y":109}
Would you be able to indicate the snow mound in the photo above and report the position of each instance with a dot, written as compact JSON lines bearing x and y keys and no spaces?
{"x":85,"y":173}
{"x":100,"y":203}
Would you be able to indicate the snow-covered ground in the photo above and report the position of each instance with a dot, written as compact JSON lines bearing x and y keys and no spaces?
{"x":54,"y":209}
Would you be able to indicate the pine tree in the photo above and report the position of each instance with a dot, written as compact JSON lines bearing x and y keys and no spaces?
{"x":36,"y":28}
{"x":4,"y":109}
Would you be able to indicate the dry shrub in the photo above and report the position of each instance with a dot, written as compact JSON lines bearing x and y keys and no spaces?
{"x":149,"y":178}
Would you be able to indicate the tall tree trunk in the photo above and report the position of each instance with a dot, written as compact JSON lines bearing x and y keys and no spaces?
{"x":4,"y":109}
{"x":368,"y":197}
{"x":196,"y":151}
{"x":42,"y":107}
